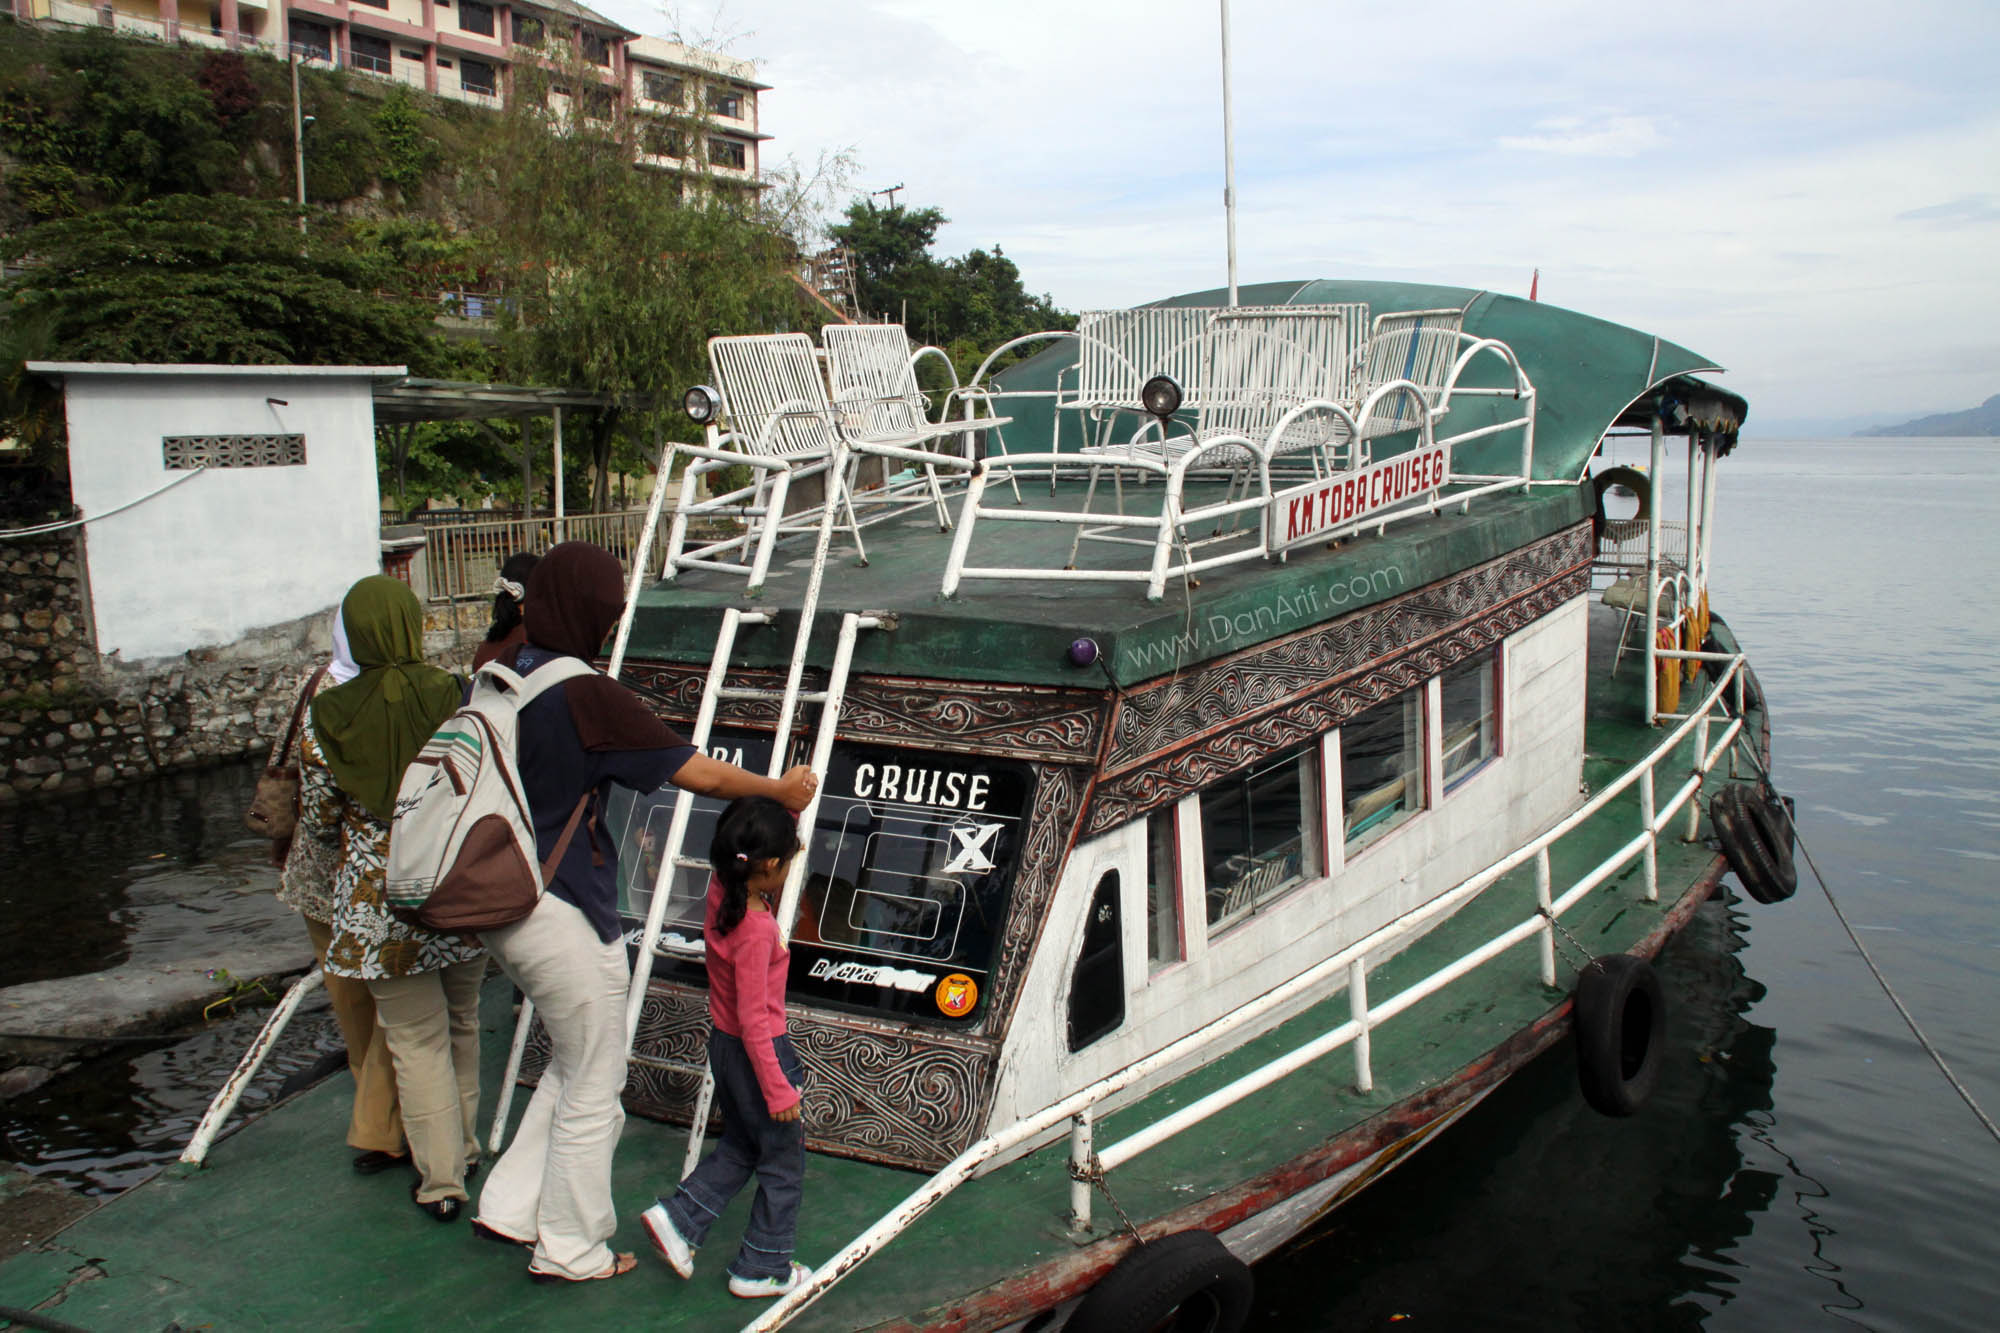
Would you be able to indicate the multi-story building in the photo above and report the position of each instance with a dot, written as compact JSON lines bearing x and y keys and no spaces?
{"x":696,"y":112}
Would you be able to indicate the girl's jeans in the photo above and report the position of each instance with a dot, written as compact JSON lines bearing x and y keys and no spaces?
{"x":751,"y":1142}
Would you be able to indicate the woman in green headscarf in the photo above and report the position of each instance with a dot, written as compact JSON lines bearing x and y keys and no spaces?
{"x":426,"y":985}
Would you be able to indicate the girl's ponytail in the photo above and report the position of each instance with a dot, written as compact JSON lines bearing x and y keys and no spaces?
{"x":752,"y":830}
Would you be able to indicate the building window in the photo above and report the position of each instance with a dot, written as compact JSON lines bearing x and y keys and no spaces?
{"x":1470,"y":721}
{"x":660,"y":139}
{"x":369,"y":51}
{"x":596,"y":47}
{"x":527,"y":31}
{"x":1097,"y":985}
{"x":726,"y":102}
{"x":1260,"y":834}
{"x":407,"y":54}
{"x":313,"y":40}
{"x":1382,"y":767}
{"x":1163,"y":892}
{"x":444,"y":62}
{"x":476,"y":76}
{"x":377,"y":4}
{"x":475,"y":16}
{"x":597,"y":102}
{"x":726,"y":153}
{"x":660,"y":87}
{"x":186,"y":452}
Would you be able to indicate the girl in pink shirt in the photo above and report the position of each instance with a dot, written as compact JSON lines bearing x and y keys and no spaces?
{"x":757,"y":1073}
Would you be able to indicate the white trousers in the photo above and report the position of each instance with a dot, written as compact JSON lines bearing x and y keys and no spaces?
{"x":554,"y":1181}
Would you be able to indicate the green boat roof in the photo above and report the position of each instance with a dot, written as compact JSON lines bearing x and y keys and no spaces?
{"x":1020,"y":632}
{"x":1589,"y":374}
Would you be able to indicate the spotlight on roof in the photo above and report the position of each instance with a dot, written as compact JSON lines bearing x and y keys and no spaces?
{"x":1161,"y":397}
{"x":701,"y":403}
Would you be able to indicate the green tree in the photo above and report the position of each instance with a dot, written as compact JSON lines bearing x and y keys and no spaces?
{"x":614,"y":276}
{"x":968,"y":305}
{"x":217,"y":279}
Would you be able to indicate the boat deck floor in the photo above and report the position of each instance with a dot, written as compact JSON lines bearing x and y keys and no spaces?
{"x":278,"y":1231}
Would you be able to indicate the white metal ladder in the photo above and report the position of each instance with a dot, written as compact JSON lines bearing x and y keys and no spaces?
{"x":714,"y":691}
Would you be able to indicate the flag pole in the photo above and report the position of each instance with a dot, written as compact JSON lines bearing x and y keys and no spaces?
{"x":1228,"y":157}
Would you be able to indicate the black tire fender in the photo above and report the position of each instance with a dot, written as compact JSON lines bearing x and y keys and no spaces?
{"x":1755,"y":832}
{"x":1621,"y":1022}
{"x":1189,"y":1277}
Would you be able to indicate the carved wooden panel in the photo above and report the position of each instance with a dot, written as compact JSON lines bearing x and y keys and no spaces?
{"x":1010,"y":721}
{"x":875,"y":1091}
{"x":1272,"y":698}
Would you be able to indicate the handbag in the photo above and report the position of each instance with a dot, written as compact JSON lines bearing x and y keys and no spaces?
{"x":274,"y":809}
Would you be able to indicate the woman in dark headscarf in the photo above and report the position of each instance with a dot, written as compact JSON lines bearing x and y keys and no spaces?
{"x":551,"y":1189}
{"x":426,"y":985}
{"x":510,"y":596}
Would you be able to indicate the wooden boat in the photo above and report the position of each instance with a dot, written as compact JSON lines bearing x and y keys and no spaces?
{"x":1201,"y":832}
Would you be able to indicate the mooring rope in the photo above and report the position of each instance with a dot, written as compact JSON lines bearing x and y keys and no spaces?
{"x":43,"y":529}
{"x":1937,"y":1058}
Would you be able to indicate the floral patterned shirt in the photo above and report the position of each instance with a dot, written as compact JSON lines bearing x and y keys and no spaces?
{"x":368,"y":941}
{"x":306,"y":883}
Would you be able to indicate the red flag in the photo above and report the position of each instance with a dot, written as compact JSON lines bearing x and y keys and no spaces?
{"x":1534,"y":285}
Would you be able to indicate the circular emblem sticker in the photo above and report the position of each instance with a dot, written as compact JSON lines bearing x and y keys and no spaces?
{"x":956,"y":995}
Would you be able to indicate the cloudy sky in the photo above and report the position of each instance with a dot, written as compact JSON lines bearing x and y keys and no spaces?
{"x":1807,"y":193}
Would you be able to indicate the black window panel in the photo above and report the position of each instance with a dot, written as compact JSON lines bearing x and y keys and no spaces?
{"x":661,"y":87}
{"x":527,"y":31}
{"x":726,"y":153}
{"x":1097,"y":985}
{"x":475,"y":16}
{"x":1256,"y":831}
{"x":726,"y":102}
{"x":476,"y":76}
{"x":596,"y":47}
{"x":312,"y":39}
{"x":1466,"y":714}
{"x":909,"y":876}
{"x":660,"y":139}
{"x":1382,"y":766}
{"x":1163,"y":891}
{"x":369,"y":51}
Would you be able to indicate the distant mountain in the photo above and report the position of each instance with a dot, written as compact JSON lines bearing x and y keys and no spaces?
{"x":1981,"y":420}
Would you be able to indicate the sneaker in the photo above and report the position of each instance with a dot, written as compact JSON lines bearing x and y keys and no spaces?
{"x":757,"y":1288}
{"x":667,"y":1239}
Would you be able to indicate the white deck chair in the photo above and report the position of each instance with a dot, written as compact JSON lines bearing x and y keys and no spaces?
{"x":1258,"y":365}
{"x":1415,"y":345}
{"x":877,"y":400}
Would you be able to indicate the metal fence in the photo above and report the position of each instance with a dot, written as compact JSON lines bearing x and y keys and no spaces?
{"x":461,"y":558}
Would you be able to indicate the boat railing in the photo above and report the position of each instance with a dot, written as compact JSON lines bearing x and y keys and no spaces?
{"x":1288,"y":512}
{"x":1089,"y":1163}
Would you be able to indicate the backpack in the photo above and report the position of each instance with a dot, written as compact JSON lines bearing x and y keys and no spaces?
{"x":462,"y":846}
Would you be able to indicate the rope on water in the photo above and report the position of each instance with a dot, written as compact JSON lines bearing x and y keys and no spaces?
{"x":1937,"y":1058}
{"x":43,"y":529}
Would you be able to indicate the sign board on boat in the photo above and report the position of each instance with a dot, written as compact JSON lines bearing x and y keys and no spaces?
{"x":1305,"y":513}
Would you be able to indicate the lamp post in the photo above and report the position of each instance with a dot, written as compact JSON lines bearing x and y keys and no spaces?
{"x":1228,"y":157}
{"x":298,"y":137}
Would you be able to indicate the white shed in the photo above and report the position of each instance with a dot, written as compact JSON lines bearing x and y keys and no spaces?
{"x":219,"y":499}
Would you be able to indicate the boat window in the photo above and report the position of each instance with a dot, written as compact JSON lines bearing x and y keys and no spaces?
{"x":1097,"y":985}
{"x":1382,"y":767}
{"x":1163,"y":891}
{"x":1259,"y":834}
{"x":909,"y":869}
{"x":1467,"y":712}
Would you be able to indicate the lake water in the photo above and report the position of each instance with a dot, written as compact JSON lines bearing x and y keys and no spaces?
{"x":1802,"y":1165}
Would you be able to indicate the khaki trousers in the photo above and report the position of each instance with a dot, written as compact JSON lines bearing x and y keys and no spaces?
{"x":431,"y":1021}
{"x":553,"y":1184}
{"x":374,"y":1124}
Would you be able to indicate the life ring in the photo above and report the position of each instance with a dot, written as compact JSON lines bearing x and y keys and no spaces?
{"x":1190,"y":1277}
{"x":1621,"y":1025}
{"x":1633,"y":480}
{"x":1754,"y":827}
